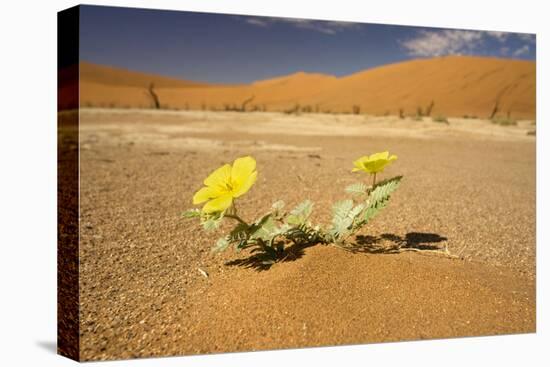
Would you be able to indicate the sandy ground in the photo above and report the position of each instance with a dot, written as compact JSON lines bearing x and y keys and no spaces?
{"x":469,"y":186}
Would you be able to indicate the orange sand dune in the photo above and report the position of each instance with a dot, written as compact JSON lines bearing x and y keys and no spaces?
{"x":107,"y":75}
{"x":457,"y":85}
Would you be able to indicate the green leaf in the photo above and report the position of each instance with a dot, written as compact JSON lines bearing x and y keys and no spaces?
{"x":378,"y":198}
{"x":239,"y":233}
{"x":373,"y":211}
{"x":357,"y":189}
{"x":300,"y":214}
{"x":221,"y":245}
{"x":356,"y":211}
{"x":191,"y":213}
{"x":278,"y":205}
{"x":266,"y":229}
{"x":212,"y":222}
{"x":383,"y":190}
{"x":341,"y":209}
{"x":343,"y":217}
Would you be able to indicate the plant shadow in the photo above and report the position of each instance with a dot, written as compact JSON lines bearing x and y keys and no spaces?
{"x":385,"y":243}
{"x":261,"y":262}
{"x":388,"y":243}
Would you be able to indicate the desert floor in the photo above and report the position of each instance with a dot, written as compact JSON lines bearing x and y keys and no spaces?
{"x":468,"y":186}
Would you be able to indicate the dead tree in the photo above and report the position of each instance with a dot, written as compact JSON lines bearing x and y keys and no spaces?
{"x":246,"y":101}
{"x":495,"y":110}
{"x":154,"y":96}
{"x":430,"y":108}
{"x":496,"y":107}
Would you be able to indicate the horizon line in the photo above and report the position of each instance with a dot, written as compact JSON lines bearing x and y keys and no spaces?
{"x":183,"y":79}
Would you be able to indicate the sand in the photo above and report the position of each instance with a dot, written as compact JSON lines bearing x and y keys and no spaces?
{"x":456,"y":85}
{"x":469,"y":186}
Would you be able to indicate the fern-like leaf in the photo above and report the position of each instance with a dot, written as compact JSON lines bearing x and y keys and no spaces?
{"x":191,"y":213}
{"x":357,"y":189}
{"x":221,"y":244}
{"x":278,"y":205}
{"x":378,"y":198}
{"x":300,"y":214}
{"x":212,"y":222}
{"x":344,"y":215}
{"x":266,"y":229}
{"x":383,"y":190}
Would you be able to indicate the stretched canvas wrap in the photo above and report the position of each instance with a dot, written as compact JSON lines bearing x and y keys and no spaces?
{"x":237,"y":183}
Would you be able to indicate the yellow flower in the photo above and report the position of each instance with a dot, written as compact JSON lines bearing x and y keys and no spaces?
{"x":374,"y":163}
{"x":225,"y":184}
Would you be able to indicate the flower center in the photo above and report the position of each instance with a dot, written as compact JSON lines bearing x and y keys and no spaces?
{"x":228,"y":186}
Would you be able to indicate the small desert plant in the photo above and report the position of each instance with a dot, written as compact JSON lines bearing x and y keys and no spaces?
{"x":356,"y":109}
{"x":293,"y":110}
{"x":440,"y":119}
{"x":419,"y":114}
{"x":401,"y":113}
{"x":267,"y":236}
{"x":504,"y":121}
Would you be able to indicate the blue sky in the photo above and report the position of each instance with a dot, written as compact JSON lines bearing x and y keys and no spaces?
{"x":221,"y":48}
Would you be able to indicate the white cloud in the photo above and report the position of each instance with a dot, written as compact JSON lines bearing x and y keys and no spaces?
{"x":326,"y":27}
{"x":527,"y":37}
{"x":521,"y":51}
{"x":257,"y":21}
{"x":444,"y":42}
{"x":499,"y":36}
{"x":459,"y":42}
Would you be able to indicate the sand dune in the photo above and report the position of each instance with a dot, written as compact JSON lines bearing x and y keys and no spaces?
{"x":457,"y":85}
{"x":119,"y":77}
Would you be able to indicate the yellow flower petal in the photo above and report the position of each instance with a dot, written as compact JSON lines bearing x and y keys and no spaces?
{"x":377,"y":156}
{"x":206,"y":193}
{"x":359,"y":163}
{"x":220,"y":177}
{"x":374,"y":163}
{"x":241,"y":170}
{"x":245,"y":186}
{"x":218,"y":205}
{"x":226,"y":183}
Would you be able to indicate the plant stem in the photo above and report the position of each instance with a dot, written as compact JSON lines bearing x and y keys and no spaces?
{"x":237,"y":218}
{"x":233,"y":215}
{"x":373,"y":179}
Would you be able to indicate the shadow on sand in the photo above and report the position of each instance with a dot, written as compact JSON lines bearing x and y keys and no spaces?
{"x":386,"y":243}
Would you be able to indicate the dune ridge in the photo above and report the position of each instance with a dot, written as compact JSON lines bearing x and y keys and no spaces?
{"x":455,"y":86}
